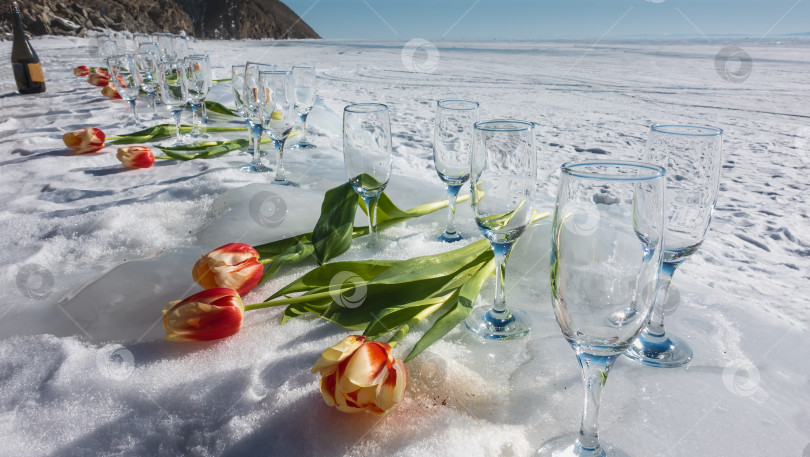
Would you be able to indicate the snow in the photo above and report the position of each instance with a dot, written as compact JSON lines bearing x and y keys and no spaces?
{"x":91,"y":252}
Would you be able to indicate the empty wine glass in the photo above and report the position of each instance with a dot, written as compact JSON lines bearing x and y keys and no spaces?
{"x":277,"y":115}
{"x":692,"y":157}
{"x":606,"y":250}
{"x":180,"y":46}
{"x":199,"y":83}
{"x":502,"y":180}
{"x":238,"y":87}
{"x":254,"y":98}
{"x":452,"y":147}
{"x":367,"y":154}
{"x":164,"y":41}
{"x":147,"y":61}
{"x":127,"y":80}
{"x":304,"y":83}
{"x":107,"y":47}
{"x":141,"y":38}
{"x":174,"y":92}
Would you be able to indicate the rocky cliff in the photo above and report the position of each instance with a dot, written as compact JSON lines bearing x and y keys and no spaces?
{"x":224,"y":19}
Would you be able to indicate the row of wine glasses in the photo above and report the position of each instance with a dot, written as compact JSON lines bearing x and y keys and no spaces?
{"x":268,"y":99}
{"x":620,"y":230}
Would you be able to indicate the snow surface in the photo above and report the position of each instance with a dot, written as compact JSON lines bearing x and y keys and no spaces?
{"x":91,"y":253}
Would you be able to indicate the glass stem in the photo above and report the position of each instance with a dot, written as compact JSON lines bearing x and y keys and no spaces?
{"x":452,"y":194}
{"x":303,"y":117}
{"x":177,"y":114}
{"x":152,"y":103}
{"x":250,"y":132}
{"x":257,"y":142}
{"x":134,"y":113}
{"x":280,"y":161}
{"x":194,"y":129}
{"x":204,"y":112}
{"x":655,"y":328}
{"x":499,"y":307}
{"x":594,"y":375}
{"x":371,"y":206}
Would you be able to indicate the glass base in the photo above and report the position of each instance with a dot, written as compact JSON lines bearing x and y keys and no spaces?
{"x":484,"y":324}
{"x":304,"y":145}
{"x":254,"y":168}
{"x":450,"y":237}
{"x":668,"y":351}
{"x":566,"y":446}
{"x":283,"y":182}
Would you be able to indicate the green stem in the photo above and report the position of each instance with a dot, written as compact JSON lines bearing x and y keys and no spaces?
{"x":299,"y":299}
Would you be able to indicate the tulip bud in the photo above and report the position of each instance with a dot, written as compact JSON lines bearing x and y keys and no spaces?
{"x":98,"y":79}
{"x":110,"y":91}
{"x":235,"y":266}
{"x":358,"y":375}
{"x":136,"y":156}
{"x":83,"y":141}
{"x":81,"y":70}
{"x":101,"y":72}
{"x":208,"y":315}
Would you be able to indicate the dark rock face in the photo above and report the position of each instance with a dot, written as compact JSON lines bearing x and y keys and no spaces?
{"x":201,"y":18}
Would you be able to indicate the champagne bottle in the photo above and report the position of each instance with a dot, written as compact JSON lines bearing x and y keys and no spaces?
{"x":24,"y":60}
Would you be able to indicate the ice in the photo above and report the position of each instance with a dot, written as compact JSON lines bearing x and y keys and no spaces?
{"x":92,"y":252}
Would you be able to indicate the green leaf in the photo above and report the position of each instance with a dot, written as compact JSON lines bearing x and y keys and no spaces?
{"x":457,"y":312}
{"x":161,"y":132}
{"x":322,"y":277}
{"x":219,"y":108}
{"x":333,"y":232}
{"x":393,"y":316}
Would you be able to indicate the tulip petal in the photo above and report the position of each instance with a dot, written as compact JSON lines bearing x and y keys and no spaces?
{"x":328,"y":385}
{"x":208,"y":315}
{"x":366,"y":364}
{"x":392,"y":389}
{"x":337,"y":353}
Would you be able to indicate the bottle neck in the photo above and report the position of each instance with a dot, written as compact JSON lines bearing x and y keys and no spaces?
{"x":19,"y":33}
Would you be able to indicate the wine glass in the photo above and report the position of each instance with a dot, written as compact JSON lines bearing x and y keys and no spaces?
{"x":277,"y":115}
{"x":502,"y":179}
{"x":367,"y":154}
{"x":692,"y":157}
{"x":304,"y":82}
{"x":238,"y":87}
{"x":198,"y":83}
{"x":606,"y":251}
{"x":164,"y":41}
{"x":127,"y":80}
{"x":141,"y":38}
{"x":107,"y":47}
{"x":147,"y":61}
{"x":254,"y":98}
{"x":180,"y":46}
{"x":452,"y":147}
{"x":174,"y":91}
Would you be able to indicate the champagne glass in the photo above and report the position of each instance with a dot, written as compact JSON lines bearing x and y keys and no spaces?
{"x":180,"y":46}
{"x":164,"y":41}
{"x":127,"y":80}
{"x":107,"y":47}
{"x":606,"y":251}
{"x":502,"y":180}
{"x":147,"y":61}
{"x":452,"y":147}
{"x":304,"y":82}
{"x":254,"y":99}
{"x":367,"y":154}
{"x":692,"y":157}
{"x":277,"y":115}
{"x":198,"y":83}
{"x":238,"y":87}
{"x":173,"y":91}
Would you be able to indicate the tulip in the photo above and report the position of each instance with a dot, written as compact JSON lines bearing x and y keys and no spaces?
{"x":235,"y":266}
{"x":110,"y":91}
{"x":205,"y":316}
{"x":83,"y":141}
{"x":101,"y":72}
{"x":136,"y":156}
{"x":98,"y":80}
{"x":81,"y":70}
{"x":359,"y":375}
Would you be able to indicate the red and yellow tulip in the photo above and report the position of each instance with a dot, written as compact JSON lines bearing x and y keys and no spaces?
{"x":136,"y":156}
{"x":359,"y":375}
{"x":110,"y":91}
{"x":86,"y":140}
{"x":99,"y":80}
{"x":235,"y":266}
{"x":81,"y":70}
{"x":205,"y":316}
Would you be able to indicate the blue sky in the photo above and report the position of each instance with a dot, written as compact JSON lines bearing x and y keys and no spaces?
{"x":537,"y":19}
